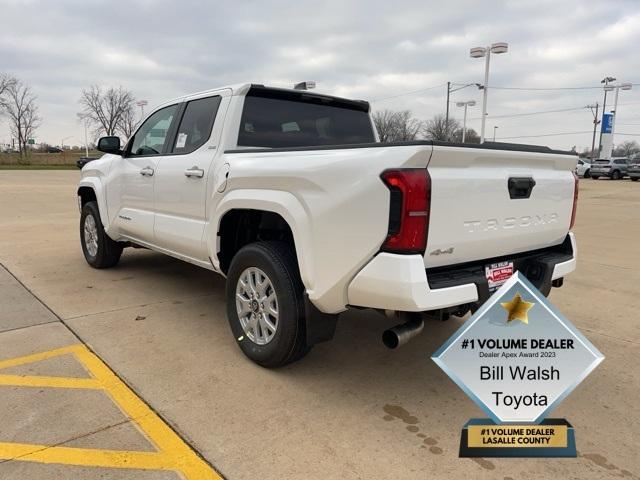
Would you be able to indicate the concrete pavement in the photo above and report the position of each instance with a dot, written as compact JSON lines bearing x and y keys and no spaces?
{"x":351,"y":409}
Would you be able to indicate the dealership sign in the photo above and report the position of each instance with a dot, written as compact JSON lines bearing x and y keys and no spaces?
{"x":518,"y":357}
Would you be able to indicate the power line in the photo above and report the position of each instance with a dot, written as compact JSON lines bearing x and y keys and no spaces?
{"x":533,"y":113}
{"x":549,"y":111}
{"x":533,"y":89}
{"x":547,"y":135}
{"x":546,"y":88}
{"x":408,"y":93}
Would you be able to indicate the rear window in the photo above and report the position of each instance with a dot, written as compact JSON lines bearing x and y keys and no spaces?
{"x":276,"y":119}
{"x":603,"y":162}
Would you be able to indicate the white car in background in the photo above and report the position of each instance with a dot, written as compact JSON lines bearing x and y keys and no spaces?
{"x":583,"y":168}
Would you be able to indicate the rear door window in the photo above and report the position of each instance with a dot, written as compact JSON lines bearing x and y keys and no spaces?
{"x":196,"y":124}
{"x":273,"y":119}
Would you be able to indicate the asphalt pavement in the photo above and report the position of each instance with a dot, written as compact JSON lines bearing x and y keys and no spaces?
{"x":155,"y":327}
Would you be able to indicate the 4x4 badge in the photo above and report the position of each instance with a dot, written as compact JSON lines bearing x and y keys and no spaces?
{"x":442,"y":252}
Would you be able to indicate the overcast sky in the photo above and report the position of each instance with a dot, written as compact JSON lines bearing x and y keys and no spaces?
{"x":363,"y":49}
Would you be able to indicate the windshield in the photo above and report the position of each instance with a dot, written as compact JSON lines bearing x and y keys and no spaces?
{"x":278,"y":118}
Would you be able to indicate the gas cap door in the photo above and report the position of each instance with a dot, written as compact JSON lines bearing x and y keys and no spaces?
{"x":221,"y":177}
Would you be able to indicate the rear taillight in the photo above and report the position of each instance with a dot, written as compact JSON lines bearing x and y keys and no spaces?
{"x":575,"y":200}
{"x":410,"y":200}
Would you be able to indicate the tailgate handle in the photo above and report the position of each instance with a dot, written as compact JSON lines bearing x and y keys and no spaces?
{"x":520,"y":187}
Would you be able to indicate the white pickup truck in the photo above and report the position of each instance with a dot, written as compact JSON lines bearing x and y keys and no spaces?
{"x":290,"y":195}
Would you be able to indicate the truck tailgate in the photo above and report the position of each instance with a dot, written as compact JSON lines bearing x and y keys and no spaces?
{"x":474,"y":215}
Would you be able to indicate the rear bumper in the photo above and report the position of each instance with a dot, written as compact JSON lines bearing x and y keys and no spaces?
{"x":400,"y":282}
{"x":600,"y":173}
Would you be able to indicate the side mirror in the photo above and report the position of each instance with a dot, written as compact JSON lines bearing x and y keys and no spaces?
{"x":110,"y":145}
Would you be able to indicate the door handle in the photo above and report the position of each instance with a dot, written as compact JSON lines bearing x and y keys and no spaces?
{"x":147,"y":172}
{"x":194,"y":172}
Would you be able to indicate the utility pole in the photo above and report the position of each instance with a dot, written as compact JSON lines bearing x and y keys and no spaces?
{"x":446,"y":118}
{"x":596,"y":122}
{"x":449,"y":92}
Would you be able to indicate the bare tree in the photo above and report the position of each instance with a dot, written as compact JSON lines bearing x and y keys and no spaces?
{"x":105,"y":110}
{"x":384,"y":122}
{"x":439,"y":129}
{"x":127,"y":126}
{"x":626,"y":149}
{"x":470,"y":137}
{"x":396,"y":126}
{"x":5,"y":82}
{"x":19,"y":105}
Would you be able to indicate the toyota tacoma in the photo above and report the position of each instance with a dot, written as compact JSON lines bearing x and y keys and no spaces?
{"x":290,"y":195}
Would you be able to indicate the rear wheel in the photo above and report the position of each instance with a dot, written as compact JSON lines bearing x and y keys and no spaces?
{"x":595,"y":177}
{"x":265,"y":305}
{"x":100,"y":251}
{"x":615,"y":175}
{"x":634,"y":179}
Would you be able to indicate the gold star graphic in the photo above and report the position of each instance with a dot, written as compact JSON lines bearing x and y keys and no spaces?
{"x":517,"y":309}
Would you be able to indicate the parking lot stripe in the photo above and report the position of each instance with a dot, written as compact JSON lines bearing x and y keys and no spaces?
{"x":53,"y":382}
{"x":172,"y":452}
{"x":86,"y":457}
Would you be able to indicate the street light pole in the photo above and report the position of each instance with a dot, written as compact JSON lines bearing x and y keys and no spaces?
{"x":478,"y":52}
{"x":623,"y":86}
{"x":470,"y":103}
{"x":446,"y":118}
{"x":86,"y":144}
{"x":141,"y":104}
{"x":459,"y":104}
{"x":485,"y":94}
{"x":606,"y":81}
{"x":495,"y":127}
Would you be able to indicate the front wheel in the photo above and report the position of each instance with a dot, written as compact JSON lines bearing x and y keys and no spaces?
{"x":595,"y":177}
{"x":100,"y":251}
{"x":265,"y":306}
{"x":587,"y":173}
{"x":616,"y":175}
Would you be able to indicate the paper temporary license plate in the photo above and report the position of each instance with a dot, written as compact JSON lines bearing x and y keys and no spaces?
{"x":498,"y":273}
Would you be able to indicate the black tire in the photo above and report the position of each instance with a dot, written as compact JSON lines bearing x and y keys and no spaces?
{"x":634,"y":179}
{"x":595,"y":177}
{"x":587,"y":173}
{"x":109,"y":251}
{"x":615,"y":175}
{"x":277,"y":260}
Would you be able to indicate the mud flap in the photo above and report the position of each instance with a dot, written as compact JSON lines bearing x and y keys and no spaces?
{"x":320,"y":326}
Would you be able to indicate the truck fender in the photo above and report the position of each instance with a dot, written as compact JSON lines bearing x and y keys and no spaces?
{"x":95,"y":184}
{"x":284,"y":204}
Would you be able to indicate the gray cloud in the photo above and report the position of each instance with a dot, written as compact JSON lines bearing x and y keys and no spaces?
{"x":370,"y":50}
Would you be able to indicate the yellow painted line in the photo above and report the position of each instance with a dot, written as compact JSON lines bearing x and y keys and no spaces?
{"x":37,"y":357}
{"x":87,"y":457}
{"x":53,"y":382}
{"x":172,"y":452}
